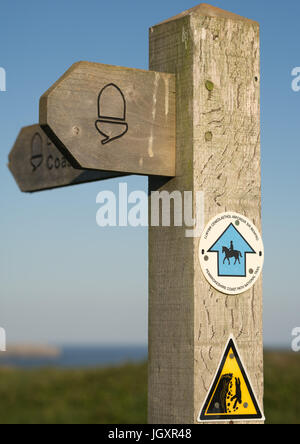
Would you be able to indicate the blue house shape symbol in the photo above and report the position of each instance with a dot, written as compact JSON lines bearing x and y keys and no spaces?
{"x":232,"y":249}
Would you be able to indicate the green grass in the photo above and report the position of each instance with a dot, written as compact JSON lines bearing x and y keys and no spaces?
{"x":119,"y":395}
{"x":74,"y":396}
{"x":282,"y":388}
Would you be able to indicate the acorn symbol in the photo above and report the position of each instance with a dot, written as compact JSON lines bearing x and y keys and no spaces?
{"x":36,"y":151}
{"x":111,"y":122}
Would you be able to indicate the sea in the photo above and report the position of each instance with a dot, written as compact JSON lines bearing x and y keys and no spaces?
{"x":80,"y":357}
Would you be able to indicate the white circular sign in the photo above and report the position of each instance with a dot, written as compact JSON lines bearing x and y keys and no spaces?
{"x":231,"y":253}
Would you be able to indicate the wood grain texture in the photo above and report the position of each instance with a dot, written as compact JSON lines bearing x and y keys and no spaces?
{"x":37,"y":164}
{"x":189,"y":321}
{"x":113,"y":119}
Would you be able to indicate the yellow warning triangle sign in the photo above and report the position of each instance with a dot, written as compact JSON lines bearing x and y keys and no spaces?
{"x":231,"y":396}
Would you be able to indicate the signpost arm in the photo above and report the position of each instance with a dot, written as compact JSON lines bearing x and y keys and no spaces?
{"x":215,"y":56}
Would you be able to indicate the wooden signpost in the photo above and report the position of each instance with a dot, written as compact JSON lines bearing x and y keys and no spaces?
{"x":37,"y":164}
{"x":127,"y":121}
{"x":113,"y":119}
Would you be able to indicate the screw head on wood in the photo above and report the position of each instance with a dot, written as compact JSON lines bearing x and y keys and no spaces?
{"x":76,"y":130}
{"x":209,"y":85}
{"x":208,"y":136}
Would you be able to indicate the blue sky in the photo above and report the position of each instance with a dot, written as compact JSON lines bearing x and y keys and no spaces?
{"x":65,"y":280}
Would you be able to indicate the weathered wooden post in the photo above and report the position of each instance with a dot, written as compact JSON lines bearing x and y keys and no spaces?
{"x":215,"y":56}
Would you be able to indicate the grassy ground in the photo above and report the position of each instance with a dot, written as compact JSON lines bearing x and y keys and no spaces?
{"x":282,"y":388}
{"x":119,"y":395}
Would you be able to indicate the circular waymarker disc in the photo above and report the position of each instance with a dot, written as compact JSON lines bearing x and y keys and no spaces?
{"x":231,"y":253}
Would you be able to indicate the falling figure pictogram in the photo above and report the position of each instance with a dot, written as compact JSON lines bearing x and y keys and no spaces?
{"x":231,"y":396}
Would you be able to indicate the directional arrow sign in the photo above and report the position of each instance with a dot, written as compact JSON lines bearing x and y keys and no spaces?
{"x":37,"y":164}
{"x":113,"y":119}
{"x":231,"y":253}
{"x":232,"y":250}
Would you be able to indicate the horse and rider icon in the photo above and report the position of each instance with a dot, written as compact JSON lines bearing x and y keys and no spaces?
{"x":230,"y":253}
{"x":232,"y":249}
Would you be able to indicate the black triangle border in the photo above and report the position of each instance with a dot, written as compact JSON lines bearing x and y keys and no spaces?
{"x":258,"y":416}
